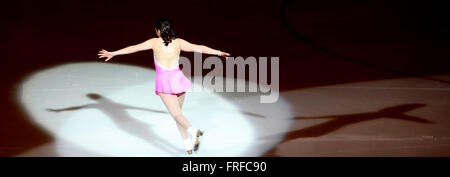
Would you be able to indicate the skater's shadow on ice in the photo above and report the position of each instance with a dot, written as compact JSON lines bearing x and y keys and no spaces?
{"x":118,"y":114}
{"x":339,"y":121}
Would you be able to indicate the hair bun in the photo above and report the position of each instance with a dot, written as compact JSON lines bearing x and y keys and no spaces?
{"x":166,"y":29}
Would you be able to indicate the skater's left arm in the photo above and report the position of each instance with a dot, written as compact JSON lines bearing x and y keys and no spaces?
{"x":189,"y":47}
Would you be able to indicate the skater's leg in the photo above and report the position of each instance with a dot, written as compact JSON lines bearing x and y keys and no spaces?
{"x":181,"y":99}
{"x":181,"y":129}
{"x":173,"y":106}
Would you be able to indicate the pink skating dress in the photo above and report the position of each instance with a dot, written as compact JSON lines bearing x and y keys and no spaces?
{"x":170,"y":80}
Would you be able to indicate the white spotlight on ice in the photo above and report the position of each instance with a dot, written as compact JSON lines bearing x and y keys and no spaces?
{"x":112,"y":110}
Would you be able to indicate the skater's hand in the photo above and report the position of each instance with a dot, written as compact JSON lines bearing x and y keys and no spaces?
{"x":223,"y":54}
{"x":105,"y":54}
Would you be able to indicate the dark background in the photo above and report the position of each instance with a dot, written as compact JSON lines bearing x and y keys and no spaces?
{"x":318,"y":42}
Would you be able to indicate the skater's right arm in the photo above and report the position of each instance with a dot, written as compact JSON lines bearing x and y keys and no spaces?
{"x":146,"y":45}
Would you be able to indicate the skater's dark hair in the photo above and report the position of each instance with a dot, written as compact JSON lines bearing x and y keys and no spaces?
{"x":165,"y":27}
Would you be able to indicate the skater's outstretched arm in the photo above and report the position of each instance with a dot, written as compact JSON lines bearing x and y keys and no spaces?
{"x":189,"y":47}
{"x":92,"y":105}
{"x":146,"y":45}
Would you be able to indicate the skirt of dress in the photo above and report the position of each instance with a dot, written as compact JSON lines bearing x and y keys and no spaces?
{"x":171,"y":81}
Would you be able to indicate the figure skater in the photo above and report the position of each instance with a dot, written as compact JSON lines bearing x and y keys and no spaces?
{"x":171,"y":84}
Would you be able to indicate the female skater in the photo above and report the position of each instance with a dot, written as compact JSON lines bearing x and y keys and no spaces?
{"x":171,"y":84}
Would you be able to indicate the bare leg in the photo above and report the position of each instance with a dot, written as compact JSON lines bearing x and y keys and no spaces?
{"x":182,"y":130}
{"x":173,"y":106}
{"x":181,"y":99}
